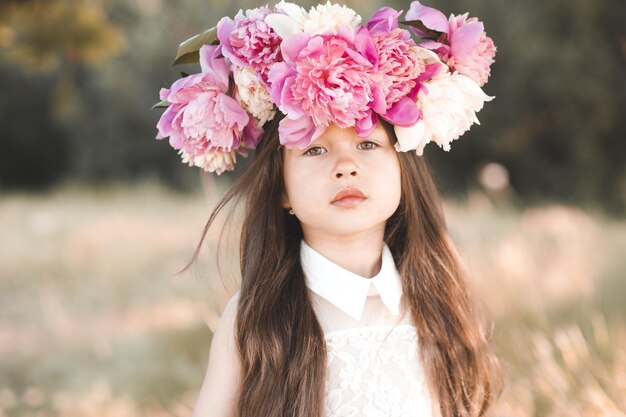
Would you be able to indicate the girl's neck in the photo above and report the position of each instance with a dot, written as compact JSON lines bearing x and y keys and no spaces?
{"x":358,"y":254}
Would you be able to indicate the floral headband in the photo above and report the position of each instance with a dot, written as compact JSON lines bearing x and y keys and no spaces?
{"x":321,"y":67}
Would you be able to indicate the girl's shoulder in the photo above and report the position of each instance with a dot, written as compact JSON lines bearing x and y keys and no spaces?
{"x":231,"y":305}
{"x":226,"y":323}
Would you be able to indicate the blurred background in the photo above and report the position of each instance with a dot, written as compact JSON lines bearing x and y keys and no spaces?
{"x":97,"y":217}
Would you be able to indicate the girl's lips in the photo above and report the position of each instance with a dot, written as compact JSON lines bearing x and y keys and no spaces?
{"x":348,"y":202}
{"x":348,"y":197}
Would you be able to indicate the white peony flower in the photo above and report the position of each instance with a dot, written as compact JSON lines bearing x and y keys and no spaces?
{"x":323,"y":18}
{"x":253,"y":95}
{"x":213,"y":161}
{"x":329,"y":17}
{"x":288,"y":20}
{"x":449,"y":107}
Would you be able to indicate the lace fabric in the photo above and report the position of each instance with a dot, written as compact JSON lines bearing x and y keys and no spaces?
{"x":373,"y":364}
{"x":375,"y":372}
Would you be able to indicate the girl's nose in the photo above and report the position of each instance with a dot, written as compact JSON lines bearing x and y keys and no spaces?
{"x":346,"y":168}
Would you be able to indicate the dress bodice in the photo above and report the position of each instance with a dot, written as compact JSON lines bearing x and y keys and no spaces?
{"x":373,"y":366}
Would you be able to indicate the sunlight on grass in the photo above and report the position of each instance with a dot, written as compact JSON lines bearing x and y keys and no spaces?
{"x":94,"y":320}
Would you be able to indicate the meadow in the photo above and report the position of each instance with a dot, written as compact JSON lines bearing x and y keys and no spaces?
{"x":96,"y":321}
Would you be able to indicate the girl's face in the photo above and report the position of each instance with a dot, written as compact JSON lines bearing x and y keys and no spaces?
{"x":364,"y":171}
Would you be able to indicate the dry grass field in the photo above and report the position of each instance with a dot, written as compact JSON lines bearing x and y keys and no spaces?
{"x":95,"y":321}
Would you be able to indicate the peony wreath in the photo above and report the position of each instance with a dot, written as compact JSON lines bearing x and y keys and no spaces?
{"x":321,"y":67}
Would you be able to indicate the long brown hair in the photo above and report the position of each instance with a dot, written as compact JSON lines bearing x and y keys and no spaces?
{"x":279,"y":338}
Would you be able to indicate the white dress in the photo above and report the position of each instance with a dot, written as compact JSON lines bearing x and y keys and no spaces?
{"x":373,"y":364}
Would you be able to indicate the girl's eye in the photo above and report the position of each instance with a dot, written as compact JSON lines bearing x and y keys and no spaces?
{"x":367,"y":145}
{"x":315,"y":150}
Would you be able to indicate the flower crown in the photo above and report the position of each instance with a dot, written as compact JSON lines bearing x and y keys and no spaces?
{"x":321,"y":67}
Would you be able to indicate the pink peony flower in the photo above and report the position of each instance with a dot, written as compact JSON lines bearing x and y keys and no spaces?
{"x":398,"y":71}
{"x":395,"y":77}
{"x":449,"y":103}
{"x":325,"y":78}
{"x":463,"y":45}
{"x":431,"y":18}
{"x":202,"y":121}
{"x":298,"y":132}
{"x":471,"y":50}
{"x":250,"y":42}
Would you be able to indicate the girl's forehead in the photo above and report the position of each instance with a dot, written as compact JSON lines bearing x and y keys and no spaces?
{"x":335,"y":133}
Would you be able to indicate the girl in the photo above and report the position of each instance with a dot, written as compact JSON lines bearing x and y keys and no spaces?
{"x":353,"y":301}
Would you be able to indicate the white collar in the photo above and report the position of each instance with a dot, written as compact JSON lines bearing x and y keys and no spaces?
{"x":347,"y":290}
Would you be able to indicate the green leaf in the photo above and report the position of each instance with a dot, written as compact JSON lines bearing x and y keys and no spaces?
{"x":188,"y":50}
{"x":431,"y":34}
{"x":161,"y":104}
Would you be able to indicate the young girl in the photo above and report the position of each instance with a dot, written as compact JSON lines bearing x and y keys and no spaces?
{"x":353,"y":301}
